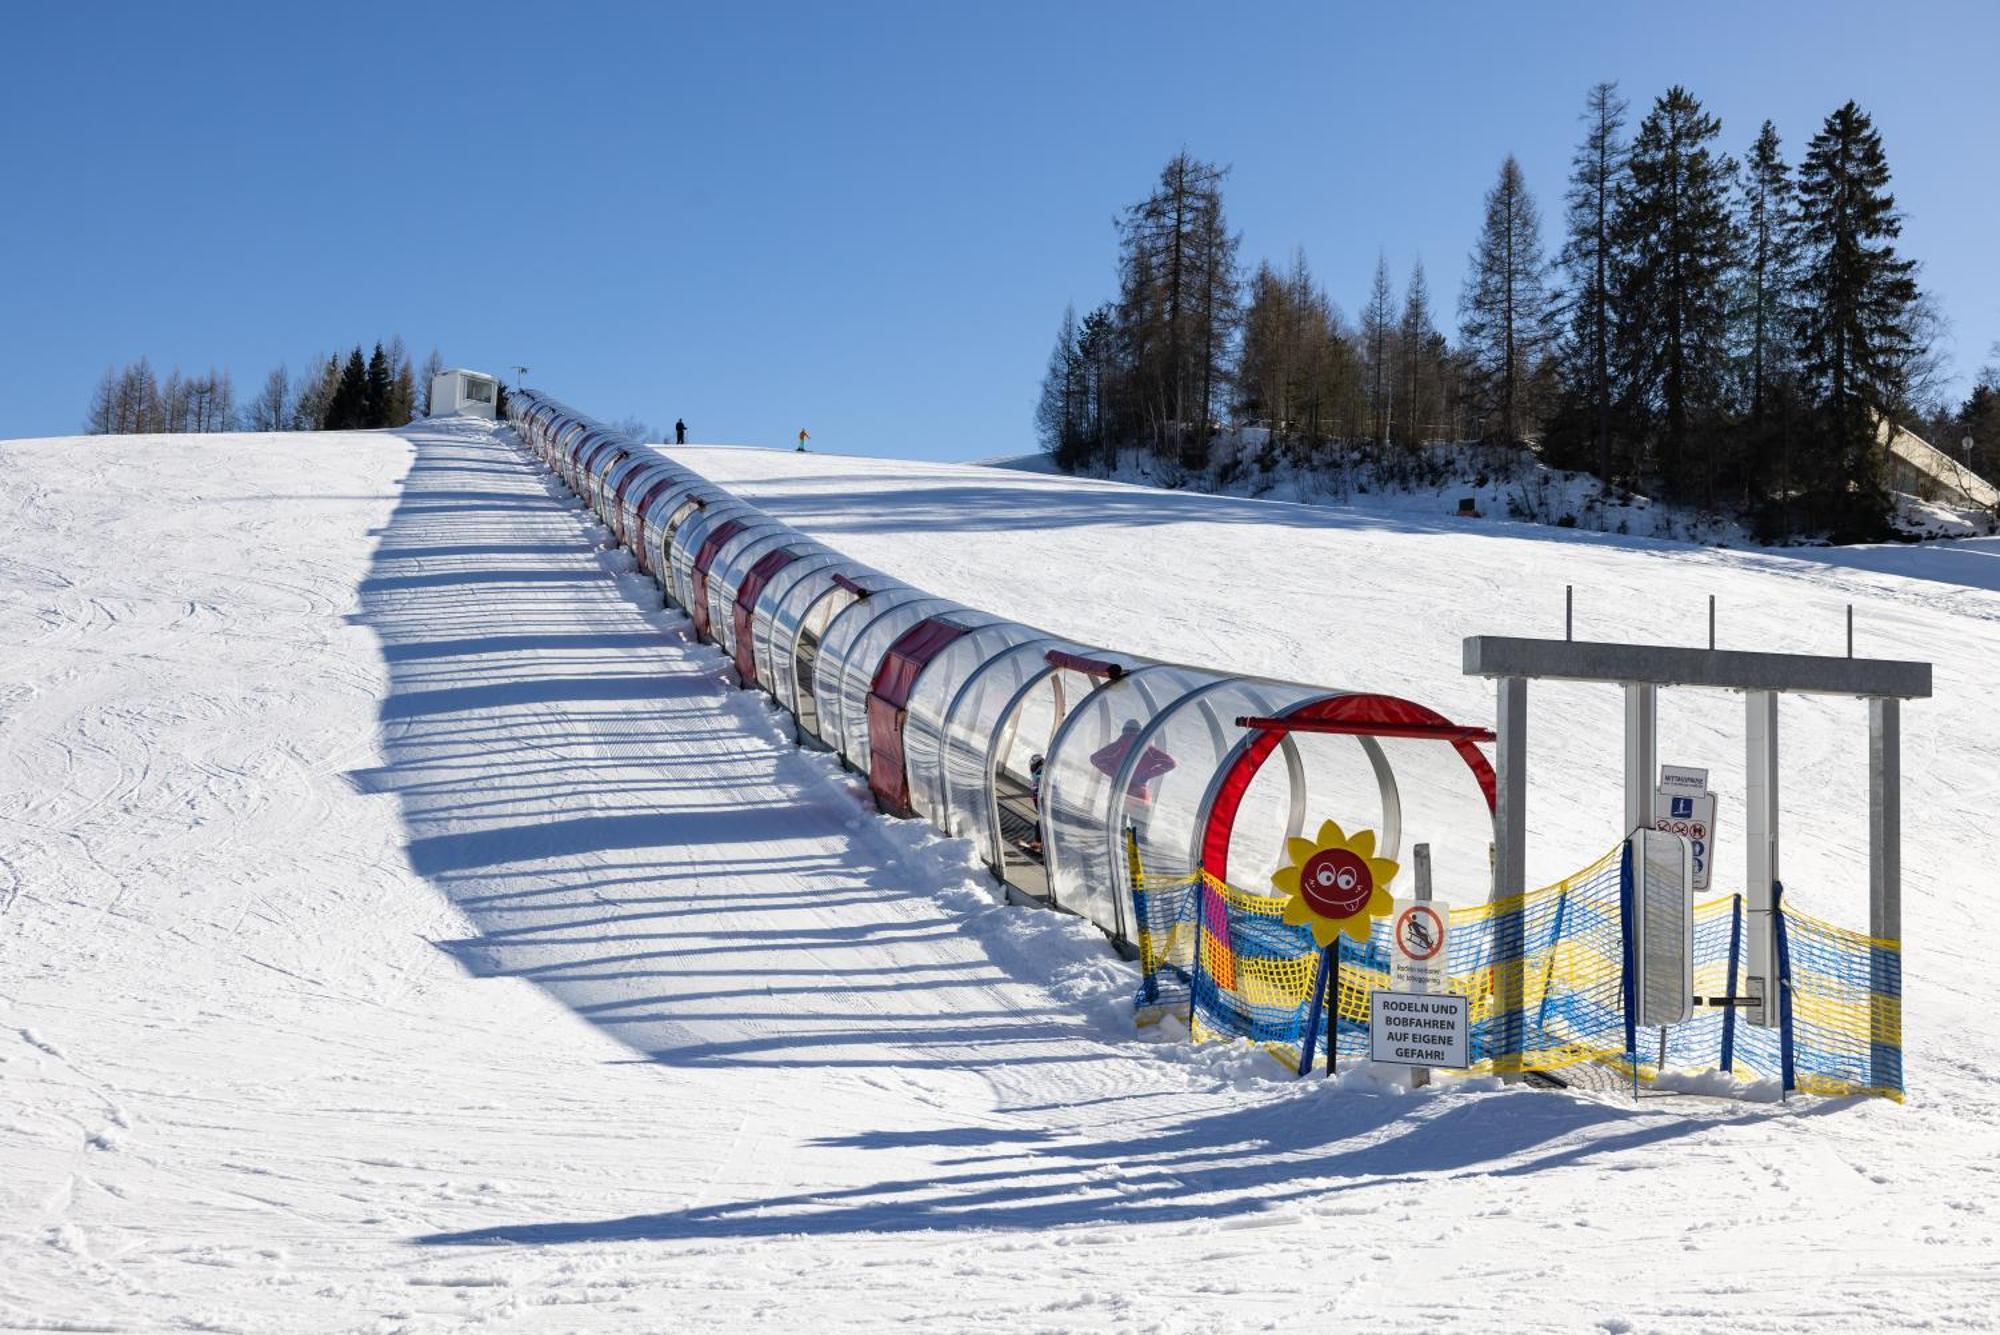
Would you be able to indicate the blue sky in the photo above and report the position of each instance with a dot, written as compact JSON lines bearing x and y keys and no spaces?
{"x":863,"y":220}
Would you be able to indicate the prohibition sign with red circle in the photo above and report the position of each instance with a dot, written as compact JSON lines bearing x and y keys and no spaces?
{"x":1434,"y":933}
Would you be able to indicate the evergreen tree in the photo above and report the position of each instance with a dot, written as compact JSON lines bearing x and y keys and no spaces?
{"x":1421,"y":348}
{"x":347,"y":408}
{"x":1765,"y":222}
{"x":1856,"y":302}
{"x":1097,"y":348}
{"x":1595,"y":172}
{"x":1675,"y":245}
{"x":1060,"y":416}
{"x":1765,"y":296}
{"x":1979,"y":418}
{"x":1504,"y":308}
{"x":1378,"y":339}
{"x":378,"y":385}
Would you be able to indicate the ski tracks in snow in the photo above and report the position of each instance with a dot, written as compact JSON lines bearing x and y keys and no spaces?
{"x":404,"y":926}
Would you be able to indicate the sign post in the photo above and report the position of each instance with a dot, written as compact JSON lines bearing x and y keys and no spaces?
{"x":1417,"y":963}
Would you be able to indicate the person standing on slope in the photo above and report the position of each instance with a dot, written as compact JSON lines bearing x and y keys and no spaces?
{"x":802,"y":442}
{"x":680,"y":432}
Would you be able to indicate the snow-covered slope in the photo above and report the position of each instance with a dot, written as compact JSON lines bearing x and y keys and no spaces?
{"x":403,"y":928}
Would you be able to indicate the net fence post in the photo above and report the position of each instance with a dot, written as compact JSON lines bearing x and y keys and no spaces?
{"x":1728,"y":1059}
{"x":1629,"y":963}
{"x":1787,"y":1050}
{"x":1309,"y":1036}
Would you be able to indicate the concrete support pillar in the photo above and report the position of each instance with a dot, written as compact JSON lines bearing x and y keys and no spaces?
{"x":1885,"y":885}
{"x":1760,"y":843}
{"x":1642,"y":754}
{"x":1510,"y":811}
{"x":1510,"y":851}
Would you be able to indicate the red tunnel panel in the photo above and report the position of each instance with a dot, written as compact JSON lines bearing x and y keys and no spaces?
{"x":724,"y":531}
{"x":905,"y":661}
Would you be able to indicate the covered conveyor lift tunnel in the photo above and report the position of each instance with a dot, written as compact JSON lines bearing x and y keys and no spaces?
{"x":1141,"y":794}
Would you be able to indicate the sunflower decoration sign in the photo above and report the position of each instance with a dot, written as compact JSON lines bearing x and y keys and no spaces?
{"x":1335,"y":884}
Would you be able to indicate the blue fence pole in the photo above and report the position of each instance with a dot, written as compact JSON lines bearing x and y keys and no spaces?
{"x":1787,"y":1052}
{"x":1629,"y":981}
{"x":1548,"y":974}
{"x":1728,"y":1062}
{"x":1200,"y":927}
{"x":1333,"y":1006}
{"x":1309,"y":1036}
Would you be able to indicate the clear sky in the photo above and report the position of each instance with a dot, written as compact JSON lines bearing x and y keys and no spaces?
{"x":860,"y":219}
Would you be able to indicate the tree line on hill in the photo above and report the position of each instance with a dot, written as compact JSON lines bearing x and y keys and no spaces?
{"x":360,"y":392}
{"x":1716,"y":332}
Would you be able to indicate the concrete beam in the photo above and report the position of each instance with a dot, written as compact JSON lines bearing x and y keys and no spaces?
{"x":1663,"y":665}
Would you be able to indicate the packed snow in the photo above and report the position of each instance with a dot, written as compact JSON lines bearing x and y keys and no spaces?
{"x":404,"y":927}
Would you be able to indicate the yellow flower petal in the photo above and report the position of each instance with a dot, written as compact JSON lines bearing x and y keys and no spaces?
{"x":1379,"y":904}
{"x":1329,"y":834}
{"x":1298,"y":850}
{"x":1286,"y":879}
{"x":1362,"y":844}
{"x":1383,"y":870}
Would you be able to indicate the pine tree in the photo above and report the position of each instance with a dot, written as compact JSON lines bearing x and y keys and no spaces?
{"x":378,"y":386}
{"x":1856,"y":302}
{"x":1675,"y":244}
{"x":1595,"y":172}
{"x":1378,"y":337}
{"x":1097,"y":349}
{"x":1979,"y":418}
{"x":1420,"y":346}
{"x":1504,"y":308}
{"x":347,"y":409}
{"x":1059,"y":417}
{"x":1765,"y":222}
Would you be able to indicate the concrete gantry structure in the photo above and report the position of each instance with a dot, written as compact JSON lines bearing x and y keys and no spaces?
{"x":1642,"y":669}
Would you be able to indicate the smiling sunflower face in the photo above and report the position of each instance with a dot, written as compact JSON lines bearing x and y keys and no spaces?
{"x":1335,"y":883}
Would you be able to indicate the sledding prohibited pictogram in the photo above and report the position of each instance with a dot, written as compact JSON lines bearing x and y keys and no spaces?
{"x":1417,"y":954}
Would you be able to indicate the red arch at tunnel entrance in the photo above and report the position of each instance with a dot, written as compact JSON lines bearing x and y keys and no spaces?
{"x":1354,"y":715}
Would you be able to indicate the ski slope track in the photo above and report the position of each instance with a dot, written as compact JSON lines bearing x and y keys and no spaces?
{"x":405,"y":927}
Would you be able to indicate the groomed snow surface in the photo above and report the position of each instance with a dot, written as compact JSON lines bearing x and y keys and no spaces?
{"x":403,"y":927}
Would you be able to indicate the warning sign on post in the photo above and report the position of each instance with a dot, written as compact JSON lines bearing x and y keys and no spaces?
{"x":1683,"y":805}
{"x":1419,"y":1029}
{"x":1416,"y":957}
